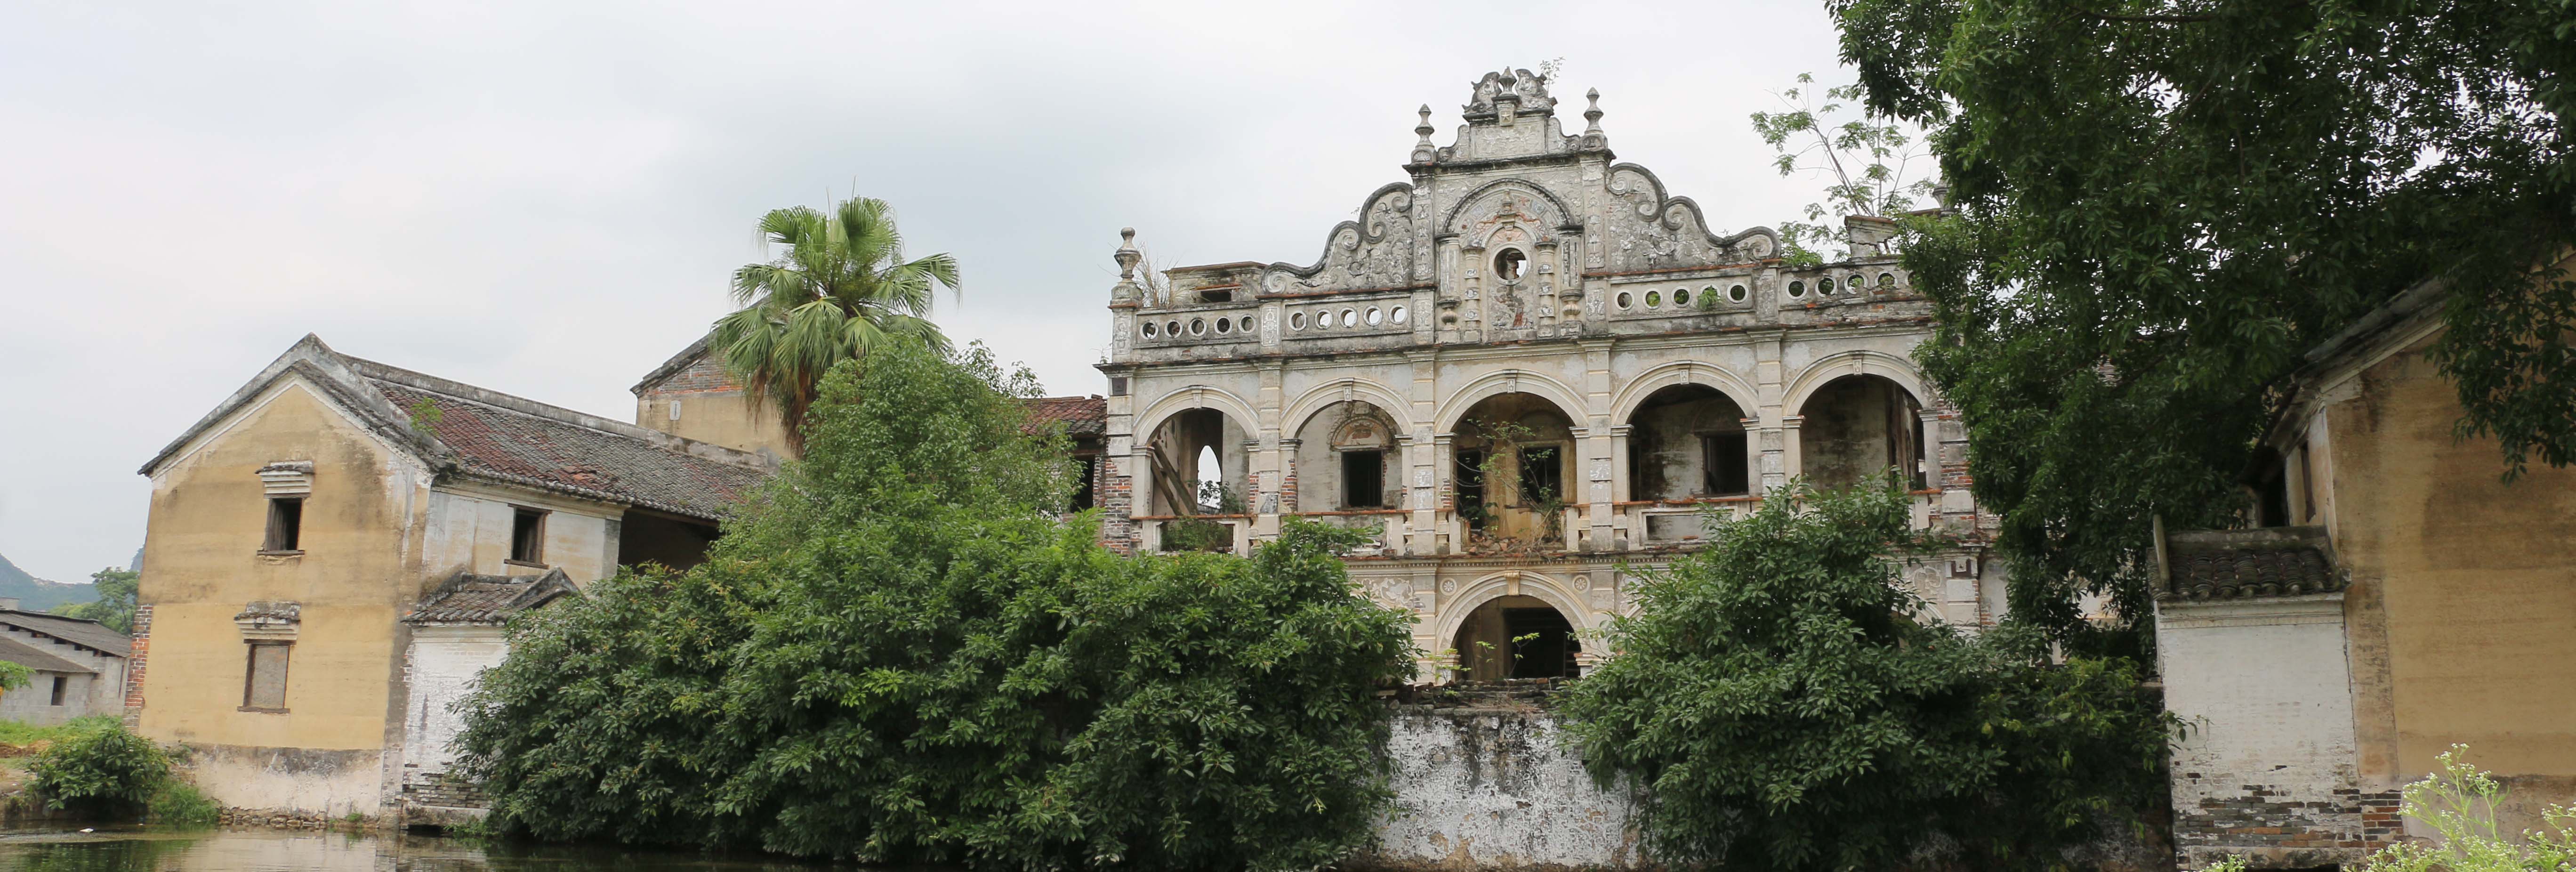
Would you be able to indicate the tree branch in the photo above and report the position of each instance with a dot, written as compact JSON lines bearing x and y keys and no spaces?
{"x":2148,"y":19}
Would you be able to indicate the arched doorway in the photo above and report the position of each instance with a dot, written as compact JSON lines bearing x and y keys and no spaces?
{"x":1688,"y":441}
{"x":1857,"y":426}
{"x":1516,"y":637}
{"x":1199,"y":467}
{"x":1514,"y":458}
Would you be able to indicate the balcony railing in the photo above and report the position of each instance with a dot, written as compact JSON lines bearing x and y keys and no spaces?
{"x":1632,"y":526}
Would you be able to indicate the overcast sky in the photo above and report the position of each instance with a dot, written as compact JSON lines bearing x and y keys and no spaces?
{"x":546,"y":198}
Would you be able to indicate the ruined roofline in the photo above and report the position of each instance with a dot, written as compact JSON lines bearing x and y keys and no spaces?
{"x":513,"y":403}
{"x":676,"y":363}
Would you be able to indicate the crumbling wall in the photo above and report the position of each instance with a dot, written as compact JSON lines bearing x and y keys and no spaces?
{"x":1493,"y":786}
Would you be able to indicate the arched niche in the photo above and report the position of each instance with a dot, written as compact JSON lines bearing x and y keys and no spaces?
{"x":1853,"y":427}
{"x":1687,"y":441}
{"x":1514,"y":470}
{"x":1347,"y":459}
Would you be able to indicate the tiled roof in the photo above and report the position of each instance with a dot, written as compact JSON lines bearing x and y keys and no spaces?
{"x":488,"y":599}
{"x":566,"y":455}
{"x":78,"y":631}
{"x":1081,"y":416}
{"x":2238,"y":564}
{"x":19,"y":652}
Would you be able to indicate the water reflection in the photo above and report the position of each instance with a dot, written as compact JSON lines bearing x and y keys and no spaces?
{"x":135,"y":850}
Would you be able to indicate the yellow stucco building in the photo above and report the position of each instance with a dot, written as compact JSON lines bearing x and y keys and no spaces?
{"x":294,"y":526}
{"x":2393,"y":596}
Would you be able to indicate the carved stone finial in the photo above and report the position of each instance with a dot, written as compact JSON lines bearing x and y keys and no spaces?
{"x":1524,"y":90}
{"x":1592,"y":114}
{"x":1424,"y":129}
{"x":1127,"y":254}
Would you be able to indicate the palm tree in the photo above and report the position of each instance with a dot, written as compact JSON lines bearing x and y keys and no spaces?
{"x":841,"y":287}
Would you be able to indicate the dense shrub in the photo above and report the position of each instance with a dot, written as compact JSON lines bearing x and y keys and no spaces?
{"x":895,"y":655}
{"x":179,"y":803}
{"x":100,"y":772}
{"x":1783,"y":709}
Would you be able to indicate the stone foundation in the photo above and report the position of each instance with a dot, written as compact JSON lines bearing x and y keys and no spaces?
{"x":1483,"y":780}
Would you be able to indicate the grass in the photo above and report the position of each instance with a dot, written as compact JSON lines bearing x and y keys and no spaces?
{"x":180,"y":804}
{"x":16,"y":733}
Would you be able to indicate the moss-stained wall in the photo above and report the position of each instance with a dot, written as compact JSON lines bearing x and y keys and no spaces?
{"x":2463,"y":603}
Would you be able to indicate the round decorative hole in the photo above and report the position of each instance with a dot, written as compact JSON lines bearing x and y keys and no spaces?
{"x":1171,"y":328}
{"x":1397,"y":315}
{"x":1887,"y":280}
{"x":1825,"y":286}
{"x":1856,"y":284}
{"x":1736,"y":293}
{"x":1324,"y":319}
{"x":1244,"y":324}
{"x":1507,"y":264}
{"x":1625,"y":300}
{"x":1149,"y":328}
{"x":1297,"y":321}
{"x":1681,"y":296}
{"x":1198,"y":326}
{"x":1350,"y":318}
{"x":1225,"y":325}
{"x":1375,"y":316}
{"x":1654,"y":299}
{"x":1797,"y":289}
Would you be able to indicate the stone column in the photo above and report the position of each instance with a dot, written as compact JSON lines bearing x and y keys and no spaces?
{"x":1604,"y":512}
{"x":1791,"y":460}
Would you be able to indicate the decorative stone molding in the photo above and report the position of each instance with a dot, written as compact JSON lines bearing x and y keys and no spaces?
{"x":270,"y":619}
{"x":287,"y":478}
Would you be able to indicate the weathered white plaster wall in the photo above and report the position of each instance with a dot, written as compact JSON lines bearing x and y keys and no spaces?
{"x":470,"y":528}
{"x":1495,"y":788}
{"x":2266,"y":769}
{"x":444,"y":663}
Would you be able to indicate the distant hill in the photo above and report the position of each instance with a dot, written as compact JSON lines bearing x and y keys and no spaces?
{"x":36,"y":594}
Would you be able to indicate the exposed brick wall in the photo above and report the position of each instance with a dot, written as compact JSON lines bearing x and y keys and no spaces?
{"x":1117,"y":499}
{"x":701,"y":376}
{"x":442,"y":790}
{"x":2279,"y":830}
{"x":140,"y":653}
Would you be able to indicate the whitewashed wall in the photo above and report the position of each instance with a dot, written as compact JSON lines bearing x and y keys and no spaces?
{"x":2266,"y":768}
{"x":1482,"y":788}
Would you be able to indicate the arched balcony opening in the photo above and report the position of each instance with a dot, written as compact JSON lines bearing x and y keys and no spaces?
{"x":1688,"y":441}
{"x":1199,"y":469}
{"x":1513,"y":459}
{"x":1347,"y":460}
{"x":1857,"y":427}
{"x":1516,"y":637}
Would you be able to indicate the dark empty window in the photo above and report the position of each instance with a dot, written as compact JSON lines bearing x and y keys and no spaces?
{"x":285,"y":524}
{"x":59,"y":684}
{"x":1507,"y":265}
{"x":1470,"y":478}
{"x":1083,"y":497}
{"x":1722,"y":454}
{"x":1226,"y":296}
{"x":528,"y":536}
{"x":1542,"y":475}
{"x":264,"y":688}
{"x":1363,"y":480}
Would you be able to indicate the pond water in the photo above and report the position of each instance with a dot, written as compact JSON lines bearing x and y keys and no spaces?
{"x":148,"y":850}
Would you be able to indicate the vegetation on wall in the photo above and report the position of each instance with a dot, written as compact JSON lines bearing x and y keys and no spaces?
{"x":840,"y":287}
{"x":896,"y":655}
{"x":1867,"y":161}
{"x":1783,"y":708}
{"x":2160,"y":206}
{"x":2458,"y":804}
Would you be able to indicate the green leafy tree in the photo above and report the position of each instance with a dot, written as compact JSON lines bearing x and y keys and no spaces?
{"x":100,"y":772}
{"x":2162,"y":204}
{"x":114,"y":608}
{"x":1782,"y":709}
{"x":1867,"y":161}
{"x":840,"y":287}
{"x":896,"y":655}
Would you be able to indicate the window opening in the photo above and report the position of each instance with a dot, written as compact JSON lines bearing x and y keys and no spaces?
{"x":1722,"y":455}
{"x":528,"y":536}
{"x":1542,"y":476}
{"x":1507,"y":265}
{"x":1363,"y":480}
{"x":1211,"y":471}
{"x":1922,"y":475}
{"x":1681,"y":296}
{"x":285,"y":524}
{"x":1735,"y":293}
{"x":1225,"y":296}
{"x":1797,"y":289}
{"x":1825,"y":286}
{"x":264,"y":683}
{"x":1470,"y":480}
{"x":59,"y":684}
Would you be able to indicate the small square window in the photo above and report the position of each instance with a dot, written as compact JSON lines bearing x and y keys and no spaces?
{"x":1723,"y":456}
{"x":285,"y":525}
{"x":264,"y":685}
{"x":528,"y":536}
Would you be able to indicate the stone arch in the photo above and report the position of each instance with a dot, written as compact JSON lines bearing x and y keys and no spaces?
{"x":1623,"y":407}
{"x":1557,"y":593}
{"x":1321,"y":397}
{"x":1563,"y":218}
{"x":1195,"y":397}
{"x":1856,"y":362}
{"x":1508,"y":381}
